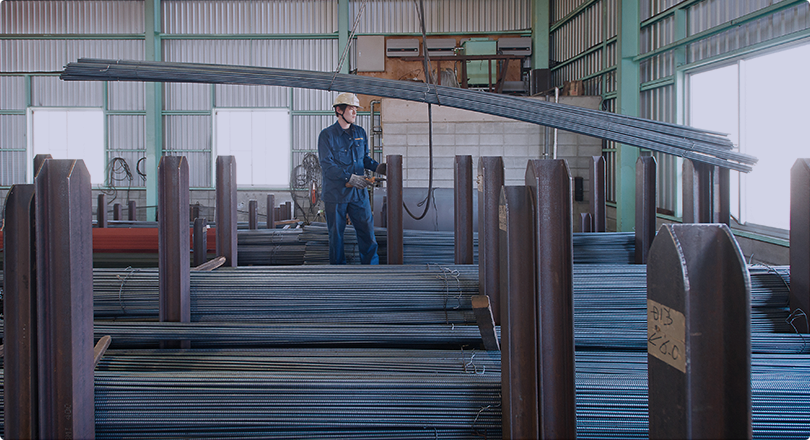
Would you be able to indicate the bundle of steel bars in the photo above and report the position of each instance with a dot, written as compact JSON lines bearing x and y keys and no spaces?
{"x":688,"y":142}
{"x":422,"y":247}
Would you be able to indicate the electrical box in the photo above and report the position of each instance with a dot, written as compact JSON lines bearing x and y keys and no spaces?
{"x":370,"y":53}
{"x":515,"y":46}
{"x":478,"y":71}
{"x":441,"y":46}
{"x":402,"y":47}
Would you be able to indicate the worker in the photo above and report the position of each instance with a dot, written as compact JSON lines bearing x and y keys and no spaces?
{"x":343,"y":153}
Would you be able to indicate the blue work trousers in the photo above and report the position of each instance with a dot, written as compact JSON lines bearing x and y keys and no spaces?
{"x":360,"y":215}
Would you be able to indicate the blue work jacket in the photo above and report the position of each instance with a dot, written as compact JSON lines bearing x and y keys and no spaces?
{"x":342,"y":155}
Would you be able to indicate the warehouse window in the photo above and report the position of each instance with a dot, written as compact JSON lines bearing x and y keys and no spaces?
{"x":74,"y":133}
{"x":259,"y":139}
{"x":759,"y":103}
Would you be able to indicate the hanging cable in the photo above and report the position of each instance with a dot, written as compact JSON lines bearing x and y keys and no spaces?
{"x":420,"y":7}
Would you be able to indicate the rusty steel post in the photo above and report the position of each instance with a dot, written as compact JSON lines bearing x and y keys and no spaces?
{"x":64,"y":254}
{"x":549,"y":182}
{"x":39,"y":159}
{"x":697,"y":192}
{"x":226,"y":209}
{"x":277,"y":213}
{"x":132,"y":207}
{"x":698,"y":334}
{"x":101,"y":211}
{"x":645,"y":207}
{"x":723,"y":209}
{"x":271,"y":221}
{"x":253,"y":214}
{"x":288,"y":210}
{"x":585,"y":222}
{"x":800,"y":243}
{"x":519,"y":368}
{"x":490,"y":181}
{"x":462,"y":214}
{"x":173,"y":243}
{"x":19,"y":311}
{"x":200,"y":241}
{"x":395,"y":249}
{"x":117,"y":211}
{"x":597,"y":182}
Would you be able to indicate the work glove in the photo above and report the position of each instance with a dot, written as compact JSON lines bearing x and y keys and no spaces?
{"x":358,"y":181}
{"x":381,"y":168}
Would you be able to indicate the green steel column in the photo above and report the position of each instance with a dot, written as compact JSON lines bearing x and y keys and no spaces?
{"x":627,"y":103}
{"x":541,"y":19}
{"x":343,"y":32}
{"x":154,"y":107}
{"x":540,"y":34}
{"x":680,"y":60}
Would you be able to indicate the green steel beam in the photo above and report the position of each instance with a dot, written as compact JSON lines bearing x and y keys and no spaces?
{"x":343,"y":32}
{"x":326,"y":36}
{"x":627,"y":103}
{"x":573,"y":14}
{"x":772,"y":9}
{"x":541,"y":19}
{"x":71,"y":37}
{"x":154,"y":107}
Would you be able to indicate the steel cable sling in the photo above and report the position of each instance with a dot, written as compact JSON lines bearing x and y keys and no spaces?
{"x":673,"y":139}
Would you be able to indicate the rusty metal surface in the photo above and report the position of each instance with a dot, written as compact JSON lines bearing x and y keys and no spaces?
{"x":226,"y":209}
{"x":64,"y":257}
{"x":486,"y":324}
{"x":101,"y":211}
{"x":200,"y":244}
{"x":132,"y":210}
{"x":519,"y":368}
{"x":697,"y":192}
{"x":800,"y":242}
{"x":118,"y":212}
{"x":19,"y":311}
{"x":699,"y":338}
{"x":645,"y":207}
{"x":173,"y":241}
{"x":253,"y":214}
{"x":490,"y":181}
{"x":39,"y":159}
{"x":585,"y":222}
{"x":597,"y":183}
{"x":549,"y":182}
{"x":463,"y":212}
{"x":394,"y":218}
{"x":271,"y":220}
{"x":288,"y":210}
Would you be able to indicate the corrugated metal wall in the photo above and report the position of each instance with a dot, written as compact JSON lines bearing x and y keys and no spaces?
{"x":249,"y":17}
{"x":444,"y":16}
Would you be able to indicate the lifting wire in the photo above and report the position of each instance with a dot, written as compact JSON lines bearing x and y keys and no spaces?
{"x":420,"y":7}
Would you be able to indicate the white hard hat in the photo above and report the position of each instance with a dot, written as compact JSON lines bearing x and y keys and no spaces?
{"x":348,"y":99}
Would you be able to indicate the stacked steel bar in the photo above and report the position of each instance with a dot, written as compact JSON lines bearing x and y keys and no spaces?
{"x":426,"y":294}
{"x":688,"y":142}
{"x":422,"y":247}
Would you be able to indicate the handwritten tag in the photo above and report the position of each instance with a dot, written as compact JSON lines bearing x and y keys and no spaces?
{"x":666,"y":334}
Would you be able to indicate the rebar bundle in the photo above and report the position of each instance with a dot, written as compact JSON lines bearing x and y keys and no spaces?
{"x":426,"y":294}
{"x":423,"y":247}
{"x":612,"y":395}
{"x":688,"y":142}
